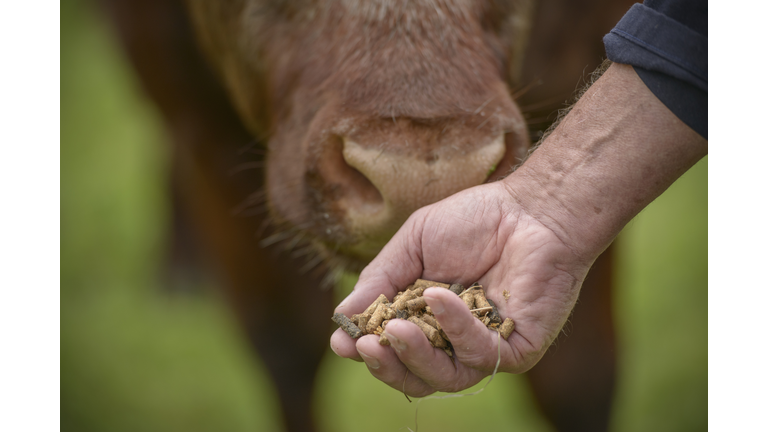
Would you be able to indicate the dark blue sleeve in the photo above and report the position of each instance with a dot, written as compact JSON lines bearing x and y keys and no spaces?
{"x":666,"y":43}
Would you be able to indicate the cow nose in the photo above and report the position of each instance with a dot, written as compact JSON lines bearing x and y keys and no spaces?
{"x":396,"y":183}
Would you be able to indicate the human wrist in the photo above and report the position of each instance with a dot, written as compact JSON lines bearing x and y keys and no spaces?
{"x":550,"y":199}
{"x":616,"y":151}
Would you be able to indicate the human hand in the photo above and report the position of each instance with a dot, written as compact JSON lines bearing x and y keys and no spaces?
{"x":534,"y":234}
{"x":480,"y":234}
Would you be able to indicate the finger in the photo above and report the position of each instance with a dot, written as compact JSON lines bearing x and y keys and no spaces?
{"x":344,"y":346}
{"x":387,"y":367}
{"x":474,"y":344}
{"x":393,"y":269}
{"x":430,"y":364}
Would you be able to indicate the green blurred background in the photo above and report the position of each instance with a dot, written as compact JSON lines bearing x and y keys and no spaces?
{"x":136,"y":358}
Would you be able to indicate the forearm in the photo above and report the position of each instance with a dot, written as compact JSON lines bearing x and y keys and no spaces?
{"x":615,"y":152}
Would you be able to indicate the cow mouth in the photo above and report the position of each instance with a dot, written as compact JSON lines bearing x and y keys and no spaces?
{"x":326,"y":246}
{"x":338,"y":258}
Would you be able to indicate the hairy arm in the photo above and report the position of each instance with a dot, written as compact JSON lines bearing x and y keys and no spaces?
{"x":616,"y":151}
{"x":535,"y":234}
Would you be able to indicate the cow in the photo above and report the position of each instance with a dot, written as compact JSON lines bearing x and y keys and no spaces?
{"x":305,"y":132}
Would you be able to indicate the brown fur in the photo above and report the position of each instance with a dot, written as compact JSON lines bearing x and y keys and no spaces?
{"x":427,"y":80}
{"x":404,"y":77}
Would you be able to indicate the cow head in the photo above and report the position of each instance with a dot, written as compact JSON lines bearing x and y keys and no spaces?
{"x":370,"y":109}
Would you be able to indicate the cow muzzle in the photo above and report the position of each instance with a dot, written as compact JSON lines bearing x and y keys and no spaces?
{"x":376,"y":188}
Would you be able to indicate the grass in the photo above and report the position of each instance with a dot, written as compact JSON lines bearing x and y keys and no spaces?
{"x":136,"y":358}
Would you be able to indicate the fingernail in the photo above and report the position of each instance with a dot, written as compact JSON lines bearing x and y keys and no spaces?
{"x":396,"y":343}
{"x":371,"y":362}
{"x":436,"y":305}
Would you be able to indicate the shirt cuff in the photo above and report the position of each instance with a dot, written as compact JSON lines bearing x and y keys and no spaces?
{"x":655,"y":42}
{"x":688,"y":102}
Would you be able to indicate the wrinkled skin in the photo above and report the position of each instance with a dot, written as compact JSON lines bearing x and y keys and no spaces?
{"x":503,"y":247}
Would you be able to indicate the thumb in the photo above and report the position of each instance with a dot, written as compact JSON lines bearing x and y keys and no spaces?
{"x":471,"y":339}
{"x":398,"y":264}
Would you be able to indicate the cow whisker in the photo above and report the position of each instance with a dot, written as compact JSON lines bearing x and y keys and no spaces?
{"x":487,"y":119}
{"x":314,"y":262}
{"x":545,"y":103}
{"x":251,"y":148}
{"x":480,"y":108}
{"x":540,"y":120}
{"x":303,"y":251}
{"x":297,"y":239}
{"x":274,"y":238}
{"x":245,"y":166}
{"x":332,"y":276}
{"x":258,"y":198}
{"x":263,"y":227}
{"x":526,"y":88}
{"x":254,"y":211}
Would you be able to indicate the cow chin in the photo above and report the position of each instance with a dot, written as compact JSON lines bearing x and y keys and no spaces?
{"x":319,"y":233}
{"x":350,"y":258}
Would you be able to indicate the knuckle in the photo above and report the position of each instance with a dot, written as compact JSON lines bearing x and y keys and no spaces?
{"x":451,"y":387}
{"x":459,"y":334}
{"x":386,"y":375}
{"x":419,"y":393}
{"x":477,"y":357}
{"x":461,"y":381}
{"x":480,"y":361}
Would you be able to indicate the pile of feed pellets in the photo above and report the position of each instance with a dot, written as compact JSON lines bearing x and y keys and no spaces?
{"x":412,"y":306}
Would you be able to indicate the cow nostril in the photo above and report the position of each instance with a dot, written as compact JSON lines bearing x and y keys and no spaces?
{"x":351,"y":189}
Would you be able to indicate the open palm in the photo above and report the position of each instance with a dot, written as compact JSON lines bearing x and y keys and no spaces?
{"x":478,"y":235}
